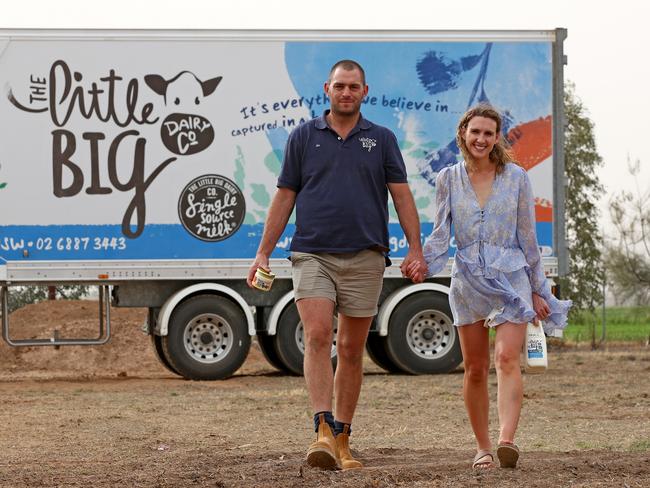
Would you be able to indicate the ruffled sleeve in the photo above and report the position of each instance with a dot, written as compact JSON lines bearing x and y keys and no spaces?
{"x":436,"y":247}
{"x":527,"y":236}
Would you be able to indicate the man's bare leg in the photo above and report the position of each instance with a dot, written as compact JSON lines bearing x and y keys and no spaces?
{"x":350,"y":342}
{"x":316,"y":316}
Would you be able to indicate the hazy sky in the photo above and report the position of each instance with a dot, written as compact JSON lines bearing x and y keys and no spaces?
{"x":607,"y":47}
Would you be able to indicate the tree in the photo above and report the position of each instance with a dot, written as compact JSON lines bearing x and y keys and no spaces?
{"x":583,"y":284}
{"x":25,"y":295}
{"x":628,"y":256}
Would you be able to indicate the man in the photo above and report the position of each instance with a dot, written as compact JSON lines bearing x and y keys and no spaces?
{"x":336,"y":170}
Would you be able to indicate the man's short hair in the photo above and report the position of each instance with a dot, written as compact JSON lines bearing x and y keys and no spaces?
{"x":348,"y":65}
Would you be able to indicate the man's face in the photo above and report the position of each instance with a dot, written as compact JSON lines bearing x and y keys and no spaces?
{"x":346,"y":91}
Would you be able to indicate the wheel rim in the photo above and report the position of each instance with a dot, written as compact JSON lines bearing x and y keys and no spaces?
{"x":430,"y":334}
{"x":300,"y":338}
{"x":208,"y":338}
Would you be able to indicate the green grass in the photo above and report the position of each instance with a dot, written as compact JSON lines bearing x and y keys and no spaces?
{"x":640,"y":446}
{"x":590,"y":446}
{"x":622,"y":324}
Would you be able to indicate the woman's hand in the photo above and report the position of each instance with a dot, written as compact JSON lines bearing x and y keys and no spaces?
{"x":414,"y":266}
{"x":541,"y":307}
{"x":414,"y":270}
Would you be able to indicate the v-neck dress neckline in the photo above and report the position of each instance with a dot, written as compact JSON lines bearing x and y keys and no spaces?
{"x":473,"y":191}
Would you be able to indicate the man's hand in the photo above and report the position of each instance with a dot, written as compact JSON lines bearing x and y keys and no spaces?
{"x":414,"y":266}
{"x":276,"y":221}
{"x":261,"y":261}
{"x":541,"y":307}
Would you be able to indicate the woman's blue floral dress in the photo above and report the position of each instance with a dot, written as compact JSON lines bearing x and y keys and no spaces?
{"x":498,"y":264}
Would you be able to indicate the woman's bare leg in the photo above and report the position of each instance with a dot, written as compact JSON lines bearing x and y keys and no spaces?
{"x":508,"y":344}
{"x":474,"y":342}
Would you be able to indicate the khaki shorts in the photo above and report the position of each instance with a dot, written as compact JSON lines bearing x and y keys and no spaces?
{"x":353,"y":281}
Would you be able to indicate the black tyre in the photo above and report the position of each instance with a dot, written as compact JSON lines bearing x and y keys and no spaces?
{"x":207,"y":338}
{"x":376,"y":349}
{"x":289,"y":340}
{"x":156,"y":341}
{"x":421,"y":336}
{"x":267,"y":346}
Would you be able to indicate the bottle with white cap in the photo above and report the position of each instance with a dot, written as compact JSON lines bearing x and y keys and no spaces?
{"x":536,"y":356}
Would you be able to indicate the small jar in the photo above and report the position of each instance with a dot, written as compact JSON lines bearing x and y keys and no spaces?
{"x":263,"y":279}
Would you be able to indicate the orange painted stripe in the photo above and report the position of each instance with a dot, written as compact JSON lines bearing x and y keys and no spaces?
{"x":532,"y":141}
{"x":543,"y":213}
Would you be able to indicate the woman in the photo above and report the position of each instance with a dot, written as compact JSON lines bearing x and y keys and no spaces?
{"x":497,"y":278}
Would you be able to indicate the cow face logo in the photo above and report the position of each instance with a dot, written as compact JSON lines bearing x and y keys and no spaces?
{"x":184,"y":133}
{"x":211,"y":208}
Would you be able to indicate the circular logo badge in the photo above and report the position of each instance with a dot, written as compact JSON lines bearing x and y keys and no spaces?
{"x":186,"y":134}
{"x":211,"y":208}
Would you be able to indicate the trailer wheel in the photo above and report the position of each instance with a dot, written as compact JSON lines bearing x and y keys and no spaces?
{"x":207,"y":338}
{"x":267,"y":346}
{"x":376,"y":349}
{"x":289,"y":340}
{"x":421,"y":336}
{"x":156,"y":341}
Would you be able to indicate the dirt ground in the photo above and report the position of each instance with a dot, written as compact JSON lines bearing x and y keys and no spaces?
{"x":110,"y":416}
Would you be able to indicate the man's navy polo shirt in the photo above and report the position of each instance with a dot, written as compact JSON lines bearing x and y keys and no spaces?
{"x":342,"y":198}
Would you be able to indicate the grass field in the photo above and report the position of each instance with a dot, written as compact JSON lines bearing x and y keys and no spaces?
{"x":622,"y":324}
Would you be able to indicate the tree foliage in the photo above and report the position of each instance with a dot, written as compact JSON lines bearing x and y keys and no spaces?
{"x":583,"y":284}
{"x":628,"y":254}
{"x":25,"y":295}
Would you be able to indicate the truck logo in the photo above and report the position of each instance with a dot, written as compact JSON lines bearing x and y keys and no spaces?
{"x":184,"y":133}
{"x":211,"y":208}
{"x":66,"y":96}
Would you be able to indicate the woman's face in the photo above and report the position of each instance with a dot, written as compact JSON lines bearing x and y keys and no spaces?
{"x":480,"y":137}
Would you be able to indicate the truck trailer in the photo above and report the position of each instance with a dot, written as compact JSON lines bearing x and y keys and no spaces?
{"x":144,"y":162}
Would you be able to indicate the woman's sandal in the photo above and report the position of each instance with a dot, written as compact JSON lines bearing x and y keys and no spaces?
{"x":480,"y":462}
{"x":508,"y":454}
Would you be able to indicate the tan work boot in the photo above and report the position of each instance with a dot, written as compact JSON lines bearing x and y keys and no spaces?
{"x":322,"y":453}
{"x":343,"y":453}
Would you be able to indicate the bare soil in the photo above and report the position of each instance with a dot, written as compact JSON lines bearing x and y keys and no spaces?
{"x":111,"y":415}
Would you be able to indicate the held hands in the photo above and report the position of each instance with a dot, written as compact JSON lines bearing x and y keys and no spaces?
{"x":414,"y":267}
{"x":261,"y":261}
{"x":541,"y":307}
